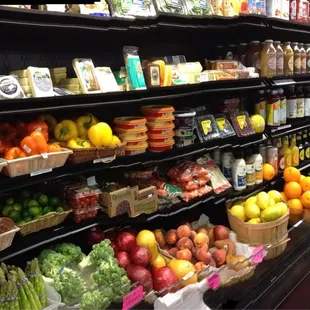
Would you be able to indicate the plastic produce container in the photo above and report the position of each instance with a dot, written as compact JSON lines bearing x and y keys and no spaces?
{"x":184,"y":119}
{"x":85,"y":213}
{"x":53,"y":298}
{"x":82,"y":197}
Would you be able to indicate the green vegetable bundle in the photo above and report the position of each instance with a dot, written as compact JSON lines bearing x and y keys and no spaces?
{"x":9,"y":296}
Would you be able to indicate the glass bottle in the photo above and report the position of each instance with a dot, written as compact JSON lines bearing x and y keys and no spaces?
{"x":297,"y":59}
{"x":303,"y":58}
{"x":231,"y":52}
{"x":291,"y":103}
{"x":281,"y":159}
{"x":287,"y":152}
{"x":279,"y":58}
{"x":253,"y":56}
{"x":241,"y":53}
{"x":282,"y":106}
{"x":268,"y":59}
{"x":295,"y":151}
{"x":250,"y":169}
{"x":300,"y":102}
{"x":260,"y":104}
{"x":306,"y":91}
{"x":288,"y":59}
{"x":306,"y":145}
{"x":258,"y":165}
{"x":300,"y":147}
{"x":273,"y":109}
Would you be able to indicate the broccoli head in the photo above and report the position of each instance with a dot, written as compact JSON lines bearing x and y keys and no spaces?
{"x":70,"y":286}
{"x":97,"y":299}
{"x":72,"y":252}
{"x":51,"y":263}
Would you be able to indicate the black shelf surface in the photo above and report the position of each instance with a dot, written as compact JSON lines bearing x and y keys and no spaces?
{"x":149,"y":96}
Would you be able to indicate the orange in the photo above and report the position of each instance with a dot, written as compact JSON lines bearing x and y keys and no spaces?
{"x":307,"y":215}
{"x":292,"y":190}
{"x":268,"y":172}
{"x":305,"y":199}
{"x":291,"y":174}
{"x":305,"y":184}
{"x":302,"y":176}
{"x":284,"y":198}
{"x":295,"y":206}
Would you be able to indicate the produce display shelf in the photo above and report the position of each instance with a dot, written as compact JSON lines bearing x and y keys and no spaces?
{"x":149,"y":96}
{"x":7,"y":184}
{"x":272,"y":280}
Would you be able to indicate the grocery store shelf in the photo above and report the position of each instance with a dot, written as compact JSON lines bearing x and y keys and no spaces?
{"x":18,"y":106}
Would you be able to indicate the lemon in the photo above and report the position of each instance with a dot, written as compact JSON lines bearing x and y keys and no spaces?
{"x":271,"y":214}
{"x":252,"y":211}
{"x":262,"y":200}
{"x":275,"y":195}
{"x":250,"y":201}
{"x":282,"y":206}
{"x":271,"y":202}
{"x":238,"y":211}
{"x":258,"y":123}
{"x":115,"y":141}
{"x":256,"y":220}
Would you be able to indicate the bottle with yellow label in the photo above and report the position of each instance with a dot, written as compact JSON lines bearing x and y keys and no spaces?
{"x":306,"y":145}
{"x":287,"y":152}
{"x":295,"y":151}
{"x":300,"y":147}
{"x":273,"y":109}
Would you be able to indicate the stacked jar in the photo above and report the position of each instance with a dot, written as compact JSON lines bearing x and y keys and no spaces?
{"x":132,"y":130}
{"x":160,"y":127}
{"x":184,"y":128}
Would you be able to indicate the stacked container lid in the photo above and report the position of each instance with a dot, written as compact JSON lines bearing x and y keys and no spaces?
{"x":160,"y":127}
{"x":132,"y":130}
{"x":184,"y":128}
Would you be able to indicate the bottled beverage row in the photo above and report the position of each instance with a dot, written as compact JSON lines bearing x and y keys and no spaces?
{"x":269,"y":58}
{"x":279,"y":105}
{"x":243,"y":167}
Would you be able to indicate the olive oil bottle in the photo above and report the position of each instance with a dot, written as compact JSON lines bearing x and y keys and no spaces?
{"x":295,"y":151}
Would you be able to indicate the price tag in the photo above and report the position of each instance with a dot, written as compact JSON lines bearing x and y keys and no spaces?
{"x":33,"y":174}
{"x":188,"y":275}
{"x":132,"y":298}
{"x":258,"y":258}
{"x":91,"y":181}
{"x":214,"y":281}
{"x":44,"y":155}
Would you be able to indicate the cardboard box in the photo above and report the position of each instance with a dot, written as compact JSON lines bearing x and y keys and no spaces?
{"x":130,"y":200}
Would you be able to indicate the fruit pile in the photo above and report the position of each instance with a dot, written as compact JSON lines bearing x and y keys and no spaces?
{"x":203,"y":247}
{"x":296,"y":193}
{"x":25,"y":206}
{"x":264,"y":207}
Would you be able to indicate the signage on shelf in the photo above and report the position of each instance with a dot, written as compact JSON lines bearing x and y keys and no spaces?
{"x":214,"y":281}
{"x":258,"y":254}
{"x":132,"y":298}
{"x":35,"y":173}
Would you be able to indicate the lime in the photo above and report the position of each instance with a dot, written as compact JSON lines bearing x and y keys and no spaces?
{"x":35,"y":210}
{"x":32,"y":203}
{"x":54,"y":201}
{"x":17,"y":207}
{"x":28,"y":218}
{"x":47,"y":209}
{"x":14,"y":215}
{"x":21,"y":222}
{"x":43,"y":200}
{"x":60,"y":209}
{"x":6,"y":210}
{"x":9,"y":201}
{"x":25,"y":194}
{"x":25,"y":213}
{"x":36,"y":196}
{"x":25,"y":204}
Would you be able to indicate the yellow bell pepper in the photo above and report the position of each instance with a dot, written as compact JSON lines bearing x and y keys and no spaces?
{"x":66,"y":130}
{"x":84,"y":123}
{"x":78,"y":143}
{"x":50,"y":120}
{"x":100,"y":134}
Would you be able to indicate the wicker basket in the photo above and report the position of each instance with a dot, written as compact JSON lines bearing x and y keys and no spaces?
{"x":274,"y":233}
{"x":49,"y":220}
{"x":103,"y":154}
{"x":7,"y":232}
{"x":35,"y":164}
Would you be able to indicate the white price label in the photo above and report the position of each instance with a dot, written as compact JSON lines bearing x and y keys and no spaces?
{"x":188,"y":275}
{"x":44,"y":155}
{"x":33,"y":174}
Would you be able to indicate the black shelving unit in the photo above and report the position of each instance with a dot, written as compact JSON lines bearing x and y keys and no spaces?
{"x":102,"y":39}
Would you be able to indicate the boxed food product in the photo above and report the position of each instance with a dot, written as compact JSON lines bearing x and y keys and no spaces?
{"x":274,"y":8}
{"x":201,"y":7}
{"x":171,"y":6}
{"x":207,"y":128}
{"x":132,"y":8}
{"x":145,"y":200}
{"x":225,"y":128}
{"x":242,"y":124}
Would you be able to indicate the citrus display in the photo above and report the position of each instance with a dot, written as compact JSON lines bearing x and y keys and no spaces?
{"x":238,"y":211}
{"x":305,"y":184}
{"x":275,"y":195}
{"x":292,"y":190}
{"x":254,"y":221}
{"x":271,"y":214}
{"x":262,"y":200}
{"x":295,"y":206}
{"x":250,"y":201}
{"x":291,"y":174}
{"x":252,"y":211}
{"x":305,"y":199}
{"x":282,"y":206}
{"x":284,"y":198}
{"x":268,"y":172}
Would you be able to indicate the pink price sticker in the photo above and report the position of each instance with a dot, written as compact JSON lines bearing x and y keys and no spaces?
{"x":258,"y":255}
{"x":214,"y":281}
{"x":132,"y":298}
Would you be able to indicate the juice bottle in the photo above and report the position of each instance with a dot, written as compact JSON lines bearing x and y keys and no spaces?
{"x":273,"y":109}
{"x":272,"y":156}
{"x":288,"y":59}
{"x":297,"y":59}
{"x":287,"y":152}
{"x":295,"y":151}
{"x":279,"y":58}
{"x":253,"y":56}
{"x":300,"y":147}
{"x":291,"y":103}
{"x":303,"y":58}
{"x":307,"y":48}
{"x":300,"y":102}
{"x":260,"y":104}
{"x":282,"y":106}
{"x":306,"y":145}
{"x":306,"y":91}
{"x":268,"y":60}
{"x":281,"y":159}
